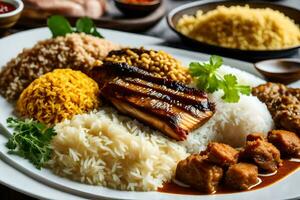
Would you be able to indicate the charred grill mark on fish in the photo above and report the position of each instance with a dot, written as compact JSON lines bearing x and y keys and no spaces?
{"x":125,"y":70}
{"x":169,"y":106}
{"x":123,"y":51}
{"x":192,"y":99}
{"x":189,"y":105}
{"x":148,"y":110}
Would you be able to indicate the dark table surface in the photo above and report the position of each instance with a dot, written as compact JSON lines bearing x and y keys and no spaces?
{"x":162,"y":31}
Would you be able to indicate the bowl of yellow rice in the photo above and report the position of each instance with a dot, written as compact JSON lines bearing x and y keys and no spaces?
{"x":247,"y":30}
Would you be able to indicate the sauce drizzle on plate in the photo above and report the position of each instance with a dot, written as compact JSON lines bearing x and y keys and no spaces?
{"x":288,"y":167}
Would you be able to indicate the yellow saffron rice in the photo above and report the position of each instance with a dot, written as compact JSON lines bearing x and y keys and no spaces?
{"x":58,"y":95}
{"x":242,"y":27}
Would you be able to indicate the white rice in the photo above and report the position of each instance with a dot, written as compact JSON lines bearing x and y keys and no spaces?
{"x":243,"y":77}
{"x":232,"y":122}
{"x":106,"y":149}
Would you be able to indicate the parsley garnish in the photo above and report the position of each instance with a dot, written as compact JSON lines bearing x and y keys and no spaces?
{"x":208,"y":79}
{"x":30,"y":140}
{"x":60,"y":26}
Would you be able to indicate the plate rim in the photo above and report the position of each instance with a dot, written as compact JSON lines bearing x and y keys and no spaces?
{"x":176,"y":196}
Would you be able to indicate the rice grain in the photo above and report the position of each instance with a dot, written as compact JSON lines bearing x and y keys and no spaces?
{"x":114,"y":151}
{"x":59,"y":95}
{"x":242,"y":27}
{"x":75,"y":51}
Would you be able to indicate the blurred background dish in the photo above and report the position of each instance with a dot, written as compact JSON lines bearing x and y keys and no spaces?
{"x":137,"y":7}
{"x":72,"y":8}
{"x":104,"y":14}
{"x":241,"y":53}
{"x":10,"y":11}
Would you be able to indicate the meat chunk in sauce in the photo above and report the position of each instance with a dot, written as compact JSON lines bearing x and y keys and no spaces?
{"x":264,"y":154}
{"x":283,"y":103}
{"x":241,"y":176}
{"x":287,"y":142}
{"x":254,"y":136}
{"x":221,"y":154}
{"x":199,"y":174}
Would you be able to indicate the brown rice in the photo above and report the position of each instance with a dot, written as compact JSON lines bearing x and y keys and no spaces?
{"x":76,"y":51}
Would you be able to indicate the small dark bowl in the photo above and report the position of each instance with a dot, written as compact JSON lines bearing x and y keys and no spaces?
{"x":250,"y":55}
{"x":286,"y":70}
{"x":137,"y":9}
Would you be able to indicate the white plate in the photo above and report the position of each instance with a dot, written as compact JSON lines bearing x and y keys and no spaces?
{"x":10,"y":46}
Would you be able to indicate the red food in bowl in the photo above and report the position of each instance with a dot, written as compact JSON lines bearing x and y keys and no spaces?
{"x":138,"y":1}
{"x":6,"y":7}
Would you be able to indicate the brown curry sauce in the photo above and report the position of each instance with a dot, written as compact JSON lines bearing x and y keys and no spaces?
{"x":287,"y":168}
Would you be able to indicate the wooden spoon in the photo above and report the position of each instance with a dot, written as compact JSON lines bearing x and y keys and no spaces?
{"x":280,"y":70}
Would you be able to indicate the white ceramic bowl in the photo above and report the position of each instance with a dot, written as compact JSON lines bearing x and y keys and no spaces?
{"x":9,"y":19}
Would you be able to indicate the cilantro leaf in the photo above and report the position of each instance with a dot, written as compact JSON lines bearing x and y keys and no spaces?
{"x":231,"y":95}
{"x":216,"y":61}
{"x":197,"y":69}
{"x":96,"y":33}
{"x":207,"y":78}
{"x":244,"y":89}
{"x":86,"y":25}
{"x":232,"y":89}
{"x":208,"y":83}
{"x":206,"y":73}
{"x":213,"y":83}
{"x":202,"y":82}
{"x":30,"y":140}
{"x":59,"y":26}
{"x":230,"y":79}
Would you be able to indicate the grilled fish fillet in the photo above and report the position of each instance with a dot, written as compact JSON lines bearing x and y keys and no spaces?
{"x":169,"y":106}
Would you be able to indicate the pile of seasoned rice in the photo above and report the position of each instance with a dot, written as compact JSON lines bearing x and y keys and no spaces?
{"x":159,"y":63}
{"x":242,"y":27}
{"x":76,"y":51}
{"x":105,"y":148}
{"x":59,"y":95}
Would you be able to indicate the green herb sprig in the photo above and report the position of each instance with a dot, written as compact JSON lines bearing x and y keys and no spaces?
{"x":208,"y":79}
{"x":60,"y":26}
{"x":30,"y":140}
